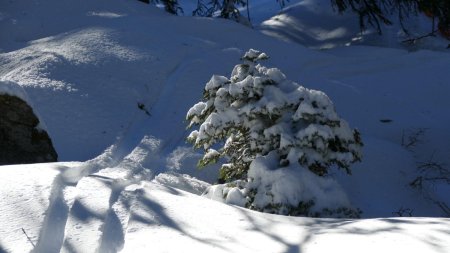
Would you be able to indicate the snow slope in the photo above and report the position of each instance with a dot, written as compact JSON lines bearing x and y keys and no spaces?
{"x":101,"y":214}
{"x":113,"y":81}
{"x":105,"y":68}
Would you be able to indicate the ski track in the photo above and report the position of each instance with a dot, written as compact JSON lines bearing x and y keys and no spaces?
{"x":103,"y":200}
{"x":62,"y":198}
{"x":142,"y":123}
{"x":105,"y":190}
{"x":116,"y":222}
{"x":52,"y":233}
{"x":112,"y":221}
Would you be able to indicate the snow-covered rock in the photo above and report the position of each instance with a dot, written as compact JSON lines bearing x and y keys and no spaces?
{"x":23,"y":138}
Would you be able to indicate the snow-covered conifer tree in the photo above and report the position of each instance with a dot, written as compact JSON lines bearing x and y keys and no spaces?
{"x":257,"y":114}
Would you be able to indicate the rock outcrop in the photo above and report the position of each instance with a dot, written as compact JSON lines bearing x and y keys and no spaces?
{"x":21,"y":140}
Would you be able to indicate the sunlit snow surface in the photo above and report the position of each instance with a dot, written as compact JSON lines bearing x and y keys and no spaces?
{"x":86,"y":66}
{"x":101,"y":214}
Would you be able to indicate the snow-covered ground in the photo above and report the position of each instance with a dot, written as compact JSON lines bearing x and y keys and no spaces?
{"x":316,"y":24}
{"x":103,"y":213}
{"x":87,"y":67}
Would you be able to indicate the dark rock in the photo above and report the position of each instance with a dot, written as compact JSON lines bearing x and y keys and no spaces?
{"x":20,"y":140}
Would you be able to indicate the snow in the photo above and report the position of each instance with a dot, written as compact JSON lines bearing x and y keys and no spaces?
{"x":86,"y":65}
{"x":183,"y":182}
{"x":316,"y":24}
{"x":292,"y":185}
{"x":151,"y":215}
{"x":27,"y":192}
{"x":230,"y":229}
{"x":14,"y":89}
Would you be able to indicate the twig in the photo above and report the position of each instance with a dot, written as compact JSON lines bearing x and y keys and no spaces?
{"x":142,"y":107}
{"x":413,"y":137}
{"x":248,"y":13}
{"x":29,"y":239}
{"x":414,"y":40}
{"x":444,"y":208}
{"x":402,"y":211}
{"x":432,"y":166}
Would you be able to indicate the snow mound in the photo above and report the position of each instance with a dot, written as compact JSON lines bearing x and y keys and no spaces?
{"x":292,"y":185}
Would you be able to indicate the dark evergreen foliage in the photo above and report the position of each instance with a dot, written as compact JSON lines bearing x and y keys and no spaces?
{"x":171,"y":6}
{"x":440,"y":10}
{"x":219,"y":8}
{"x":375,"y":12}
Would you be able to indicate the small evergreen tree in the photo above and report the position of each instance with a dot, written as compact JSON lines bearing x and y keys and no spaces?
{"x":257,"y":112}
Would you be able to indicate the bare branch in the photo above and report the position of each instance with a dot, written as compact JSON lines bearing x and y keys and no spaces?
{"x":29,"y":239}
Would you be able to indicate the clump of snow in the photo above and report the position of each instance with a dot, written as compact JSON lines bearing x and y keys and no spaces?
{"x":284,"y":190}
{"x":105,"y":14}
{"x":292,"y":185}
{"x":211,"y":155}
{"x":254,"y":55}
{"x":235,"y":196}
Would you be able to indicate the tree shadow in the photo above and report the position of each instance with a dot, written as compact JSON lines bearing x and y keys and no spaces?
{"x":82,"y":213}
{"x":51,"y":235}
{"x":265,"y":229}
{"x":2,"y":250}
{"x":113,"y":237}
{"x":314,"y":227}
{"x":69,"y":247}
{"x":152,"y":213}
